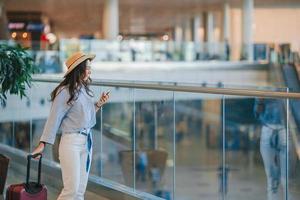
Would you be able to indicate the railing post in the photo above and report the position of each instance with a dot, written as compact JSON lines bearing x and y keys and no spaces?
{"x":30,"y":132}
{"x":223,"y":150}
{"x":101,"y":140}
{"x":174,"y":146}
{"x":287,"y":149}
{"x":155,"y":126}
{"x":134,"y":142}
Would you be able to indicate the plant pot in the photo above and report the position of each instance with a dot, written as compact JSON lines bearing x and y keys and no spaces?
{"x":4,"y":161}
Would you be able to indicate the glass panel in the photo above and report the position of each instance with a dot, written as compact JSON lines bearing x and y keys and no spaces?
{"x":98,"y":157}
{"x":198,"y":146}
{"x":256,"y":146}
{"x":154,"y":142}
{"x":250,"y":159}
{"x":294,"y":150}
{"x":114,"y":162}
{"x":22,"y":135}
{"x":20,"y":118}
{"x":6,"y":122}
{"x":15,"y":122}
{"x":6,"y":129}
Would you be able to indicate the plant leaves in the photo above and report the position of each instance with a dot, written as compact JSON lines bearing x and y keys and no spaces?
{"x":16,"y":69}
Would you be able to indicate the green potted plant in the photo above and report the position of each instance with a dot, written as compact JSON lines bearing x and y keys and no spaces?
{"x":16,"y":69}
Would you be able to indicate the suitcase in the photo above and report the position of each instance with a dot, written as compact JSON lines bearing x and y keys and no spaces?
{"x":4,"y":161}
{"x":28,"y":190}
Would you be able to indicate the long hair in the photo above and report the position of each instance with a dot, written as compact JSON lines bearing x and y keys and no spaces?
{"x":73,"y":82}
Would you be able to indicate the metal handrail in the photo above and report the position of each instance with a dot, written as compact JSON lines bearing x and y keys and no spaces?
{"x":180,"y":88}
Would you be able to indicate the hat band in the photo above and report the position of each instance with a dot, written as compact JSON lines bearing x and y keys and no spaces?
{"x":75,"y":61}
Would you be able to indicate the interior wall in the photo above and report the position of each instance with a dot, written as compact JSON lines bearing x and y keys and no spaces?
{"x":236,"y":33}
{"x":277,"y":25}
{"x":271,"y":25}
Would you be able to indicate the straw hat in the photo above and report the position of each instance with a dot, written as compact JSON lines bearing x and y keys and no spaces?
{"x":77,"y":58}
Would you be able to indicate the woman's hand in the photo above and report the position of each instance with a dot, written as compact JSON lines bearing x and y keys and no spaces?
{"x":39,"y":149}
{"x":103,"y":99}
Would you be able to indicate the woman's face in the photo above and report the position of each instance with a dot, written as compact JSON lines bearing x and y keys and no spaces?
{"x":87,"y":72}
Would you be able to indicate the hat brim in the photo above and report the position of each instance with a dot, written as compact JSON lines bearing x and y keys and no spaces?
{"x":78,"y":61}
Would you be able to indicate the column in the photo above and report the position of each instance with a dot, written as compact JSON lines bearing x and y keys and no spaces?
{"x":188,"y":46}
{"x":178,"y":33}
{"x":226,"y":32}
{"x":210,"y":32}
{"x":236,"y":34}
{"x":226,"y":21}
{"x":197,"y":28}
{"x":198,"y":36}
{"x":247,"y":23}
{"x":111,"y":19}
{"x":187,"y":32}
{"x":3,"y":22}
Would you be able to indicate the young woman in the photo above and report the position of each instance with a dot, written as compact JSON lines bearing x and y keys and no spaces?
{"x":74,"y":113}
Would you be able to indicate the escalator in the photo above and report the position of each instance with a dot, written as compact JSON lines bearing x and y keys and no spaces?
{"x":290,"y":75}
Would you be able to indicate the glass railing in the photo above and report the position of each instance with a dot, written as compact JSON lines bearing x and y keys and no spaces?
{"x":156,"y":50}
{"x":178,"y":141}
{"x":146,"y":51}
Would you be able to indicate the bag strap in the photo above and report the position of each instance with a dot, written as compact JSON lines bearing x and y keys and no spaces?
{"x":29,"y":157}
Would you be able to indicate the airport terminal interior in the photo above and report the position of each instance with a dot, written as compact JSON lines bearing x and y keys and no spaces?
{"x":204,"y":96}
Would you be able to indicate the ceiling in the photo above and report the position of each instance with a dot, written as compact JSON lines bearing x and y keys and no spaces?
{"x":73,"y":17}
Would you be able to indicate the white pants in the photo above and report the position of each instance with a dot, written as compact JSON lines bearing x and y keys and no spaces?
{"x":73,"y":157}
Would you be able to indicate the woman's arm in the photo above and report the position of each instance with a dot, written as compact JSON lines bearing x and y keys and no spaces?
{"x":58,"y":110}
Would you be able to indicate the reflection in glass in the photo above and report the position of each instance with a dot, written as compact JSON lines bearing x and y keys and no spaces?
{"x":273,"y":143}
{"x":154,"y":142}
{"x":255,"y":144}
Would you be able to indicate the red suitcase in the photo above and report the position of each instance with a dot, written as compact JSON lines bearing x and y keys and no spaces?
{"x":4,"y":161}
{"x":28,"y":190}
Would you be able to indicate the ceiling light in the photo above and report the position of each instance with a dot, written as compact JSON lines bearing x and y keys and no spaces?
{"x":14,"y":35}
{"x":24,"y":35}
{"x":165,"y":37}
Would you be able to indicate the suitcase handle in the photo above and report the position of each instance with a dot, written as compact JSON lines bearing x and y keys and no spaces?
{"x":29,"y":157}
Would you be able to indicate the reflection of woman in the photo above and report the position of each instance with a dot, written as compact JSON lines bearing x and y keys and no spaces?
{"x":74,"y":112}
{"x":270,"y":112}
